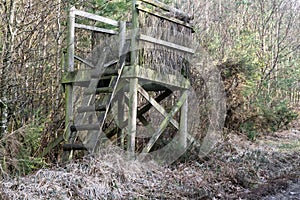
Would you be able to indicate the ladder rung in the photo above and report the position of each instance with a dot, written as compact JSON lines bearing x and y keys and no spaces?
{"x":69,"y":147}
{"x":99,"y":90}
{"x":91,"y":108}
{"x":87,"y":127}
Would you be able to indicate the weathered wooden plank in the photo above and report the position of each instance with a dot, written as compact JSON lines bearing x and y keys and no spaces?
{"x":166,"y":80}
{"x":158,"y":99}
{"x":183,"y":130}
{"x":71,"y":39}
{"x":120,"y":93}
{"x":145,"y":108}
{"x":96,"y":29}
{"x":157,"y":14}
{"x":76,"y":76}
{"x":110,"y":63}
{"x":121,"y":117}
{"x":96,"y":17}
{"x":84,"y":61}
{"x":144,"y":72}
{"x":122,"y":38}
{"x":165,"y":122}
{"x":178,"y":13}
{"x":133,"y":84}
{"x":147,"y":38}
{"x":70,"y":68}
{"x":157,"y":106}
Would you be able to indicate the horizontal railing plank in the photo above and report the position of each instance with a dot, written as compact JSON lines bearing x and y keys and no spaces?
{"x":165,"y":43}
{"x":157,"y":14}
{"x":96,"y":17}
{"x":178,"y":13}
{"x":96,"y":29}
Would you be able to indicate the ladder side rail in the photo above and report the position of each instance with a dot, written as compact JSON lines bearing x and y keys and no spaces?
{"x":122,"y":60}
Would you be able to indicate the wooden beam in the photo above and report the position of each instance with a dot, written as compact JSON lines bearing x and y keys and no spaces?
{"x":183,"y":130}
{"x":178,"y":13}
{"x":121,"y":93}
{"x":121,"y":117}
{"x":168,"y":80}
{"x":165,"y":43}
{"x":133,"y":84}
{"x":96,"y":29}
{"x":84,"y":61}
{"x":71,"y":39}
{"x":70,"y":68}
{"x":158,"y":99}
{"x":157,"y":106}
{"x":165,"y":122}
{"x":146,"y":108}
{"x":96,"y":17}
{"x":157,"y":14}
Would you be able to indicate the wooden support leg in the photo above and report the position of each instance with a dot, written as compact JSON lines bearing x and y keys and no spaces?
{"x":68,"y":118}
{"x":132,"y":115}
{"x":183,"y":132}
{"x":121,"y":113}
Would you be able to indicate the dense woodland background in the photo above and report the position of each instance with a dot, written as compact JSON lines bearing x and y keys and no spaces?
{"x":254,"y":43}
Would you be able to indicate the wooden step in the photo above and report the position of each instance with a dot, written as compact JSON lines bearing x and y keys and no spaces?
{"x":70,"y":147}
{"x":98,"y":90}
{"x":86,"y":127}
{"x":91,"y":108}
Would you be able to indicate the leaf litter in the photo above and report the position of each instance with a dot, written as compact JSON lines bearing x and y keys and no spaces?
{"x":237,"y":169}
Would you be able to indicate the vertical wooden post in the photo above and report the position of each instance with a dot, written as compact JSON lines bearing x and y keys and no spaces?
{"x":70,"y":68}
{"x":122,"y":37}
{"x":121,"y":113}
{"x":183,"y":132}
{"x":120,"y":95}
{"x":133,"y":84}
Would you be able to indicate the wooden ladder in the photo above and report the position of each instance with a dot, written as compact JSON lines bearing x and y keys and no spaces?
{"x":104,"y":82}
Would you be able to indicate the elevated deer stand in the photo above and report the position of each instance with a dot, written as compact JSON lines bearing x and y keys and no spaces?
{"x":121,"y":83}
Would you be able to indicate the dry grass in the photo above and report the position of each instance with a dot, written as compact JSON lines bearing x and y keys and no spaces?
{"x":237,"y":168}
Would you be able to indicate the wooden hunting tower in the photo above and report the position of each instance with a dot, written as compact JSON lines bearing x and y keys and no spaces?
{"x":132,"y":68}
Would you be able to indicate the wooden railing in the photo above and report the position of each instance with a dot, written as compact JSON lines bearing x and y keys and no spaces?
{"x":71,"y":57}
{"x":167,"y":12}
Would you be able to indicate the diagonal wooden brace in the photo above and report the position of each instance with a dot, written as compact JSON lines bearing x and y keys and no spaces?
{"x":165,"y":122}
{"x":157,"y":106}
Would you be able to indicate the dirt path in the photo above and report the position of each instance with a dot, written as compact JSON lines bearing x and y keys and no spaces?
{"x":291,"y":192}
{"x":290,"y":141}
{"x":285,"y":187}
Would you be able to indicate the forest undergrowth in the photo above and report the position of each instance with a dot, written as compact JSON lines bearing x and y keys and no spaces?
{"x":237,"y":168}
